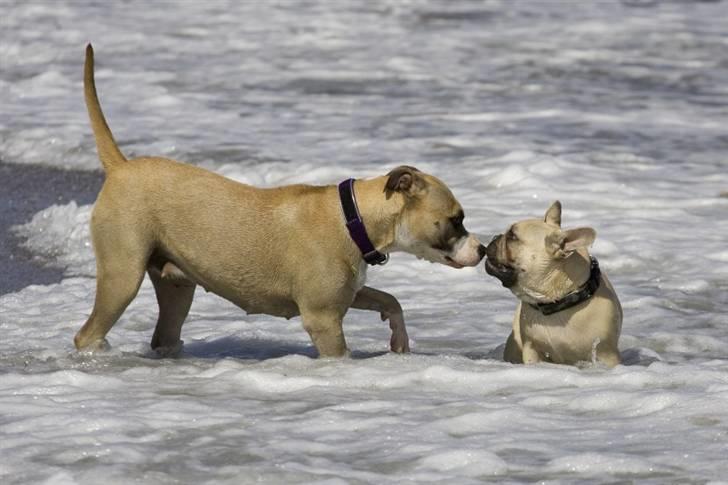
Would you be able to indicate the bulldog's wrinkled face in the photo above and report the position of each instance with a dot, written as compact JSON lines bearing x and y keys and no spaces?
{"x":431,"y":223}
{"x":532,"y":253}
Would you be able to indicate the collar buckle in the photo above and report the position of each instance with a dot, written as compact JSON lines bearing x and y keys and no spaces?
{"x":375,"y":257}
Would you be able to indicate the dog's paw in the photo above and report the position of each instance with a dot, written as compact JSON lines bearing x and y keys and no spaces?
{"x":169,"y":351}
{"x":399,"y":343}
{"x":97,"y":346}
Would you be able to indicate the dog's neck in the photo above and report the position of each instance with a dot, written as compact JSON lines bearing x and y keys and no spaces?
{"x":378,"y":212}
{"x":584,"y":293}
{"x":561,"y":281}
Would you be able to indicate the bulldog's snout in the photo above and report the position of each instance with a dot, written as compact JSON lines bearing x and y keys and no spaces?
{"x":481,"y":251}
{"x":503,"y":271}
{"x":492,"y":250}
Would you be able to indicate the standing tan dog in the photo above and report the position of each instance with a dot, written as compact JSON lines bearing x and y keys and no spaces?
{"x":282,"y":251}
{"x":568,"y":311}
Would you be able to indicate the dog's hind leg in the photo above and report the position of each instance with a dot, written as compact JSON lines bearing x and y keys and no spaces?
{"x":609,"y":355}
{"x":513,"y":352}
{"x":389,"y":308}
{"x":174,"y":295}
{"x":119,"y":272}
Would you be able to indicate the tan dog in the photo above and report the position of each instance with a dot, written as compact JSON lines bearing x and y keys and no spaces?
{"x":568,"y":311}
{"x":283,"y":251}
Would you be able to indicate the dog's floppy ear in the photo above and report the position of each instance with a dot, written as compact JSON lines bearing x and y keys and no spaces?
{"x":564,"y":243}
{"x":403,"y":179}
{"x":553,"y":215}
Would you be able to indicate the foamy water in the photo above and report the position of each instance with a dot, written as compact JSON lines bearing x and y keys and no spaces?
{"x":617,"y":111}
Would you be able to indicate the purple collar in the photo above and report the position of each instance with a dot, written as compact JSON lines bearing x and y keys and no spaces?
{"x":355,"y":225}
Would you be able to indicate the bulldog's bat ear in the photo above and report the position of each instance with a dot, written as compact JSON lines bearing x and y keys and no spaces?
{"x":553,"y":215}
{"x":403,"y":179}
{"x":564,"y":243}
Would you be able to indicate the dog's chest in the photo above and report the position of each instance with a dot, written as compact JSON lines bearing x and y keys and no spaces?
{"x":360,"y":275}
{"x":557,"y":340}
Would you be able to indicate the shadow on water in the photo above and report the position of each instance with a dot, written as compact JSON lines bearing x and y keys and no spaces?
{"x":257,"y":349}
{"x":640,"y":356}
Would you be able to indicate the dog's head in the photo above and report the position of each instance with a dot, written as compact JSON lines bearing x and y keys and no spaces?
{"x":430,"y":225}
{"x":534,"y":254}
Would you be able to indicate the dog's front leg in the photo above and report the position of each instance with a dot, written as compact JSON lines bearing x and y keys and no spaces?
{"x":530,"y":354}
{"x":370,"y":299}
{"x":324,"y":327}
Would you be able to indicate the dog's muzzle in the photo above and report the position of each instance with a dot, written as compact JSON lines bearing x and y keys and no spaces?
{"x":504,"y":272}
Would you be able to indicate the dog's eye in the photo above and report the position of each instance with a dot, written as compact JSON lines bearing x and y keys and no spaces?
{"x":457,"y":221}
{"x":511,"y":236}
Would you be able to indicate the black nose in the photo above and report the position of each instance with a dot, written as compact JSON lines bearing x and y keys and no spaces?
{"x":492,"y":250}
{"x":481,"y":251}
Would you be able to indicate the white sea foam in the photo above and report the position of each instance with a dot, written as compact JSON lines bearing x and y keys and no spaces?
{"x":618,"y":113}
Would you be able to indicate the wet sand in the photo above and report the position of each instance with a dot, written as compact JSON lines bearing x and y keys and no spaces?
{"x":25,"y":190}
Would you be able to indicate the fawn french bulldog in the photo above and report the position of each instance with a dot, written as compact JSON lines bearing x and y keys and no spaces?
{"x":568,"y":311}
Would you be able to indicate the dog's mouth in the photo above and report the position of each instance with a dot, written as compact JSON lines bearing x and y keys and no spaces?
{"x":505,"y":273}
{"x":451,"y":262}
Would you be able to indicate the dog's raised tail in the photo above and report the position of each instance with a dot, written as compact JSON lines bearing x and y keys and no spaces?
{"x":109,"y":152}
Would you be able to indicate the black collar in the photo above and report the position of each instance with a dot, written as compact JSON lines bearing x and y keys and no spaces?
{"x":355,"y":225}
{"x":581,"y":295}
